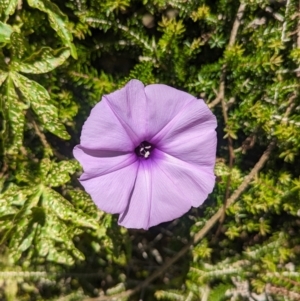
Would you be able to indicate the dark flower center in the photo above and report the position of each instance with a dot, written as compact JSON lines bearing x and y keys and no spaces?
{"x":144,"y":149}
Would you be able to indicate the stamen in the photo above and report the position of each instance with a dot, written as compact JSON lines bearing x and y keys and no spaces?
{"x":144,"y":149}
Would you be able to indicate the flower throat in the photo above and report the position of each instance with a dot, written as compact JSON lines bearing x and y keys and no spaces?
{"x":144,"y":149}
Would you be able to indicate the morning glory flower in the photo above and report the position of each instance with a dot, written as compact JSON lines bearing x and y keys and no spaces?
{"x":148,"y":153}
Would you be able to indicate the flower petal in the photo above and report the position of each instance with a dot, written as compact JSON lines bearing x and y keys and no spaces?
{"x":100,"y":162}
{"x":136,"y":215}
{"x":163,"y":104}
{"x":111,"y":192}
{"x":102,"y":131}
{"x":194,"y":181}
{"x":129,"y":106}
{"x":165,"y":189}
{"x":191,"y":135}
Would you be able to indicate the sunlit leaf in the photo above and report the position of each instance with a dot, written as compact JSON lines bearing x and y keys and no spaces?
{"x":16,"y":118}
{"x":5,"y":32}
{"x":3,"y":76}
{"x":58,"y":21}
{"x":42,"y":61}
{"x":65,"y":210}
{"x":60,"y":173}
{"x":18,"y":45}
{"x":8,"y":6}
{"x":39,"y":100}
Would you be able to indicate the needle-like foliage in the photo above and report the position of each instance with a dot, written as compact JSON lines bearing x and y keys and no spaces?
{"x":58,"y":58}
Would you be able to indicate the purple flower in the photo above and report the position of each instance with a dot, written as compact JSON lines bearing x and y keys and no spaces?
{"x":148,"y":153}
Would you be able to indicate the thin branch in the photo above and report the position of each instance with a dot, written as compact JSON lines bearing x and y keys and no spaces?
{"x":231,"y":160}
{"x":4,"y":169}
{"x":232,"y":39}
{"x":37,"y":130}
{"x":124,"y":28}
{"x":221,"y":92}
{"x":47,"y":147}
{"x":208,"y":226}
{"x":221,"y":97}
{"x":274,"y":290}
{"x":283,"y":37}
{"x":236,"y":24}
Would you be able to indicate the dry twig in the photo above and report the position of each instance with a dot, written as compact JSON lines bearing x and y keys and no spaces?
{"x":232,"y":39}
{"x":39,"y":133}
{"x":221,"y":98}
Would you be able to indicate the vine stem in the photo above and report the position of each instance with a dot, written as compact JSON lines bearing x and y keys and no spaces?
{"x":201,"y":234}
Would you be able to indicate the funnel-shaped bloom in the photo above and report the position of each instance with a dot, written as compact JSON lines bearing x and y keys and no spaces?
{"x":148,"y":153}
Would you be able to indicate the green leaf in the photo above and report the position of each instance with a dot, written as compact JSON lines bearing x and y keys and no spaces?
{"x":59,"y":174}
{"x":45,"y":166}
{"x":12,"y":197}
{"x":39,"y":100}
{"x":5,"y":32}
{"x":65,"y":210}
{"x":218,"y":293}
{"x":3,"y":76}
{"x":18,"y":235}
{"x":62,"y":257}
{"x":42,"y":61}
{"x":56,"y":231}
{"x":16,"y":119}
{"x":58,"y":21}
{"x":82,"y":200}
{"x":8,"y":6}
{"x":18,"y":45}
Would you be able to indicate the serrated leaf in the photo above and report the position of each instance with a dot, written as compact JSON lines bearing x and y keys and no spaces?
{"x":16,"y":119}
{"x":65,"y":211}
{"x":5,"y":32}
{"x":8,"y":6}
{"x":62,"y":257}
{"x":82,"y":200}
{"x":27,"y":240}
{"x":45,"y":166}
{"x":13,"y":194}
{"x":37,"y":220}
{"x":3,"y":76}
{"x":42,"y":61}
{"x":39,"y":100}
{"x":11,"y":199}
{"x":18,"y":45}
{"x":6,"y":209}
{"x":57,"y":231}
{"x":59,"y":174}
{"x":17,"y":237}
{"x":79,"y":196}
{"x":58,"y":21}
{"x":44,"y":244}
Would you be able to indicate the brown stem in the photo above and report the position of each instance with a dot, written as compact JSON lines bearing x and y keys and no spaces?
{"x":274,"y":290}
{"x":221,"y":97}
{"x":232,"y":39}
{"x":37,"y":130}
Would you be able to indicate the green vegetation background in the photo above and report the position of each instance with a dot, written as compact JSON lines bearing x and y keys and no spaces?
{"x":58,"y":58}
